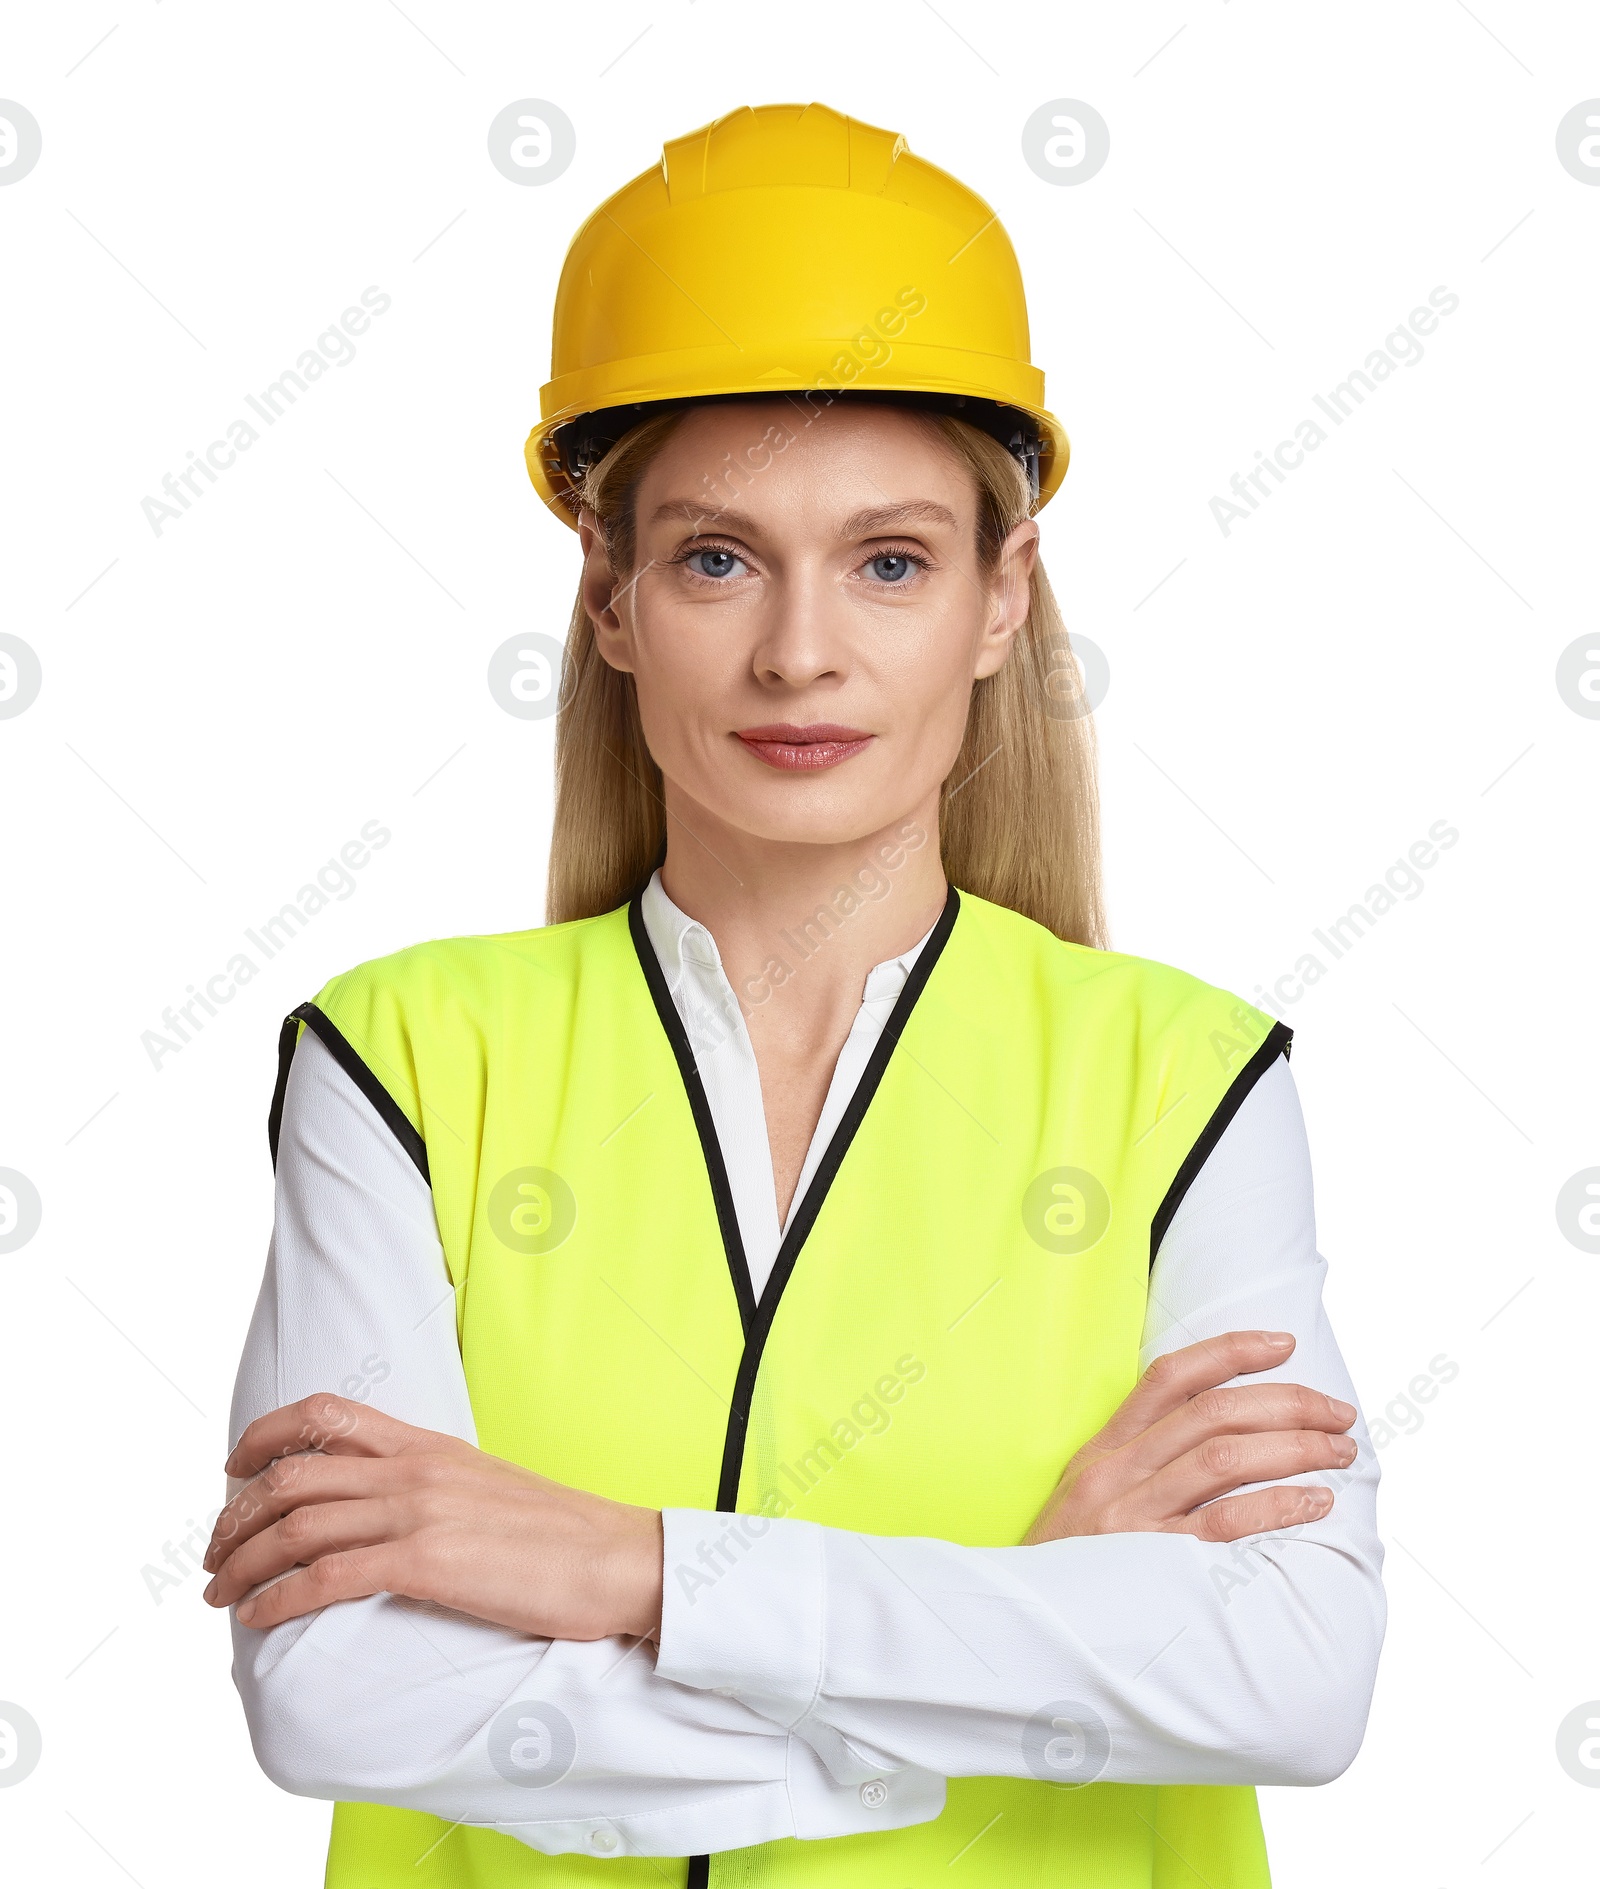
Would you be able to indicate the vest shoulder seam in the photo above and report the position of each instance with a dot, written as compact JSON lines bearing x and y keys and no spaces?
{"x":1128,"y":963}
{"x":349,"y":1060}
{"x":387,"y":967}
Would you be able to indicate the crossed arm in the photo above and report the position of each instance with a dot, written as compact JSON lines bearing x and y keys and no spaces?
{"x":346,"y":1502}
{"x":464,"y":1582}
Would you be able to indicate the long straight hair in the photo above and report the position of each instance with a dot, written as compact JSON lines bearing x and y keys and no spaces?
{"x":1019,"y":812}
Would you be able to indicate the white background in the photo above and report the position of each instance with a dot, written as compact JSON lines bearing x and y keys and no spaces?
{"x":1372,"y":651}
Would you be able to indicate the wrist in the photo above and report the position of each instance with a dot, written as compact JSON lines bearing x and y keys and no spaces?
{"x":636,"y":1576}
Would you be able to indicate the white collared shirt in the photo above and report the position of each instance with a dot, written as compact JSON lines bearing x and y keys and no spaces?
{"x":703,"y":997}
{"x":831,"y":1682}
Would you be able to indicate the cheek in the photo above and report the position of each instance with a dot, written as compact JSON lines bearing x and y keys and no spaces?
{"x":687,"y":673}
{"x":927,"y":675}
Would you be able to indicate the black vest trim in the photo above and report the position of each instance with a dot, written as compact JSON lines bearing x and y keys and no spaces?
{"x":700,"y":1108}
{"x":757,"y":1319}
{"x":1277,"y":1044}
{"x":389,"y":1110}
{"x":801,"y":1224}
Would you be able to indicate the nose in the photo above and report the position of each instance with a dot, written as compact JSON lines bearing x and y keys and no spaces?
{"x":802,"y":638}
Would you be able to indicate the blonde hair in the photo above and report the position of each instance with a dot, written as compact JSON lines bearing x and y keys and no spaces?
{"x":1019,"y":813}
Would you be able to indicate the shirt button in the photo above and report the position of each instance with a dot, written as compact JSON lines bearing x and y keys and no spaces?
{"x":603,"y":1840}
{"x":875,"y":1795}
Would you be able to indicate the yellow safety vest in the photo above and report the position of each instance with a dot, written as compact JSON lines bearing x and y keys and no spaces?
{"x":974,"y":1254}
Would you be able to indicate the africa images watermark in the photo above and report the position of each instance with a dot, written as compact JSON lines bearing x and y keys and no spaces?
{"x":183,"y":1558}
{"x":808,"y":935}
{"x":1401,"y":1417}
{"x":871,"y":347}
{"x":1401,"y":348}
{"x":1402,"y":881}
{"x":335,"y":882}
{"x":335,"y":347}
{"x":868,"y":1416}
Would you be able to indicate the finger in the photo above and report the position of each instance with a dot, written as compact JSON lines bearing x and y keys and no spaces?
{"x":1236,"y":1409}
{"x":1222,"y":1463}
{"x":302,"y":1537}
{"x":1258,"y":1513}
{"x":327,"y":1422}
{"x":350,"y":1574}
{"x":291,"y":1483}
{"x":1179,"y":1375}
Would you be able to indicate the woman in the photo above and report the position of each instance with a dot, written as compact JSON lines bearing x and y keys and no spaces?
{"x":874,"y":1301}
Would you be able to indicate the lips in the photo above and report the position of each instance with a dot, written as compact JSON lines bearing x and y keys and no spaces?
{"x":802,"y":750}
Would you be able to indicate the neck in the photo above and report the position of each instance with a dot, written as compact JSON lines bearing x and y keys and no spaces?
{"x":800,"y":921}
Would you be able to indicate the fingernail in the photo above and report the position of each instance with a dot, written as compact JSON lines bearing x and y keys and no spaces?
{"x":247,"y":1610}
{"x":1345,"y":1449}
{"x":1279,"y":1340}
{"x":211,"y":1588}
{"x":1346,"y":1413}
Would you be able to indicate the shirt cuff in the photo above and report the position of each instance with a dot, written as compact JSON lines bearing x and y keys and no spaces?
{"x":742,"y":1613}
{"x":741,"y":1608}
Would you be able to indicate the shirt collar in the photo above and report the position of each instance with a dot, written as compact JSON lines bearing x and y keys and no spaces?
{"x":682,"y":941}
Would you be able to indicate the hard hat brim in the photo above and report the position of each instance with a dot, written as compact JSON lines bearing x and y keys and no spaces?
{"x":935,"y":383}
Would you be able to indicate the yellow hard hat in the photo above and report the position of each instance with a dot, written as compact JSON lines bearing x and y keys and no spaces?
{"x":788,"y":249}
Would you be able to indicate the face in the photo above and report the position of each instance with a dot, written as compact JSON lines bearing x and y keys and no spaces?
{"x":804,"y":638}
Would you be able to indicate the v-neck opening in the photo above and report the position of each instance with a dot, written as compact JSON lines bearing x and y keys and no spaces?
{"x":700,"y":1108}
{"x":756,"y":1316}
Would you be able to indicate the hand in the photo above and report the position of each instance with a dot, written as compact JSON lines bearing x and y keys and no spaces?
{"x":362,"y":1504}
{"x":1177,"y":1441}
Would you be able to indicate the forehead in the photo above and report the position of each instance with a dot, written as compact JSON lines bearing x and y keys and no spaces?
{"x":781,"y":461}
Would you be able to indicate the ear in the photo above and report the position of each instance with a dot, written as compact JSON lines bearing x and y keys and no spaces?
{"x":613,"y":633}
{"x":1009,"y":598}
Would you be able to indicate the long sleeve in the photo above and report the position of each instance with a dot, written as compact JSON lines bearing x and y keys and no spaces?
{"x":1247,"y":1663}
{"x":385,"y":1700}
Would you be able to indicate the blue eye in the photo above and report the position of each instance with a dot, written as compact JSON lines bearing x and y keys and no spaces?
{"x":890,"y":568}
{"x":719,"y":562}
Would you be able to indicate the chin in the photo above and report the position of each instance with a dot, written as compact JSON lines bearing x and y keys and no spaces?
{"x":794,"y":826}
{"x":792,"y":810}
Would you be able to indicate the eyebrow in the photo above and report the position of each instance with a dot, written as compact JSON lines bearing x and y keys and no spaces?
{"x":861,"y":524}
{"x":914,"y":511}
